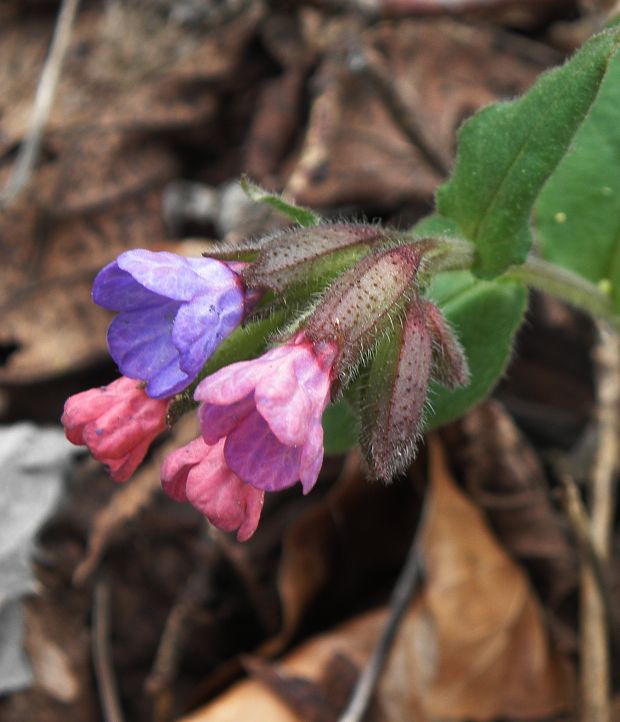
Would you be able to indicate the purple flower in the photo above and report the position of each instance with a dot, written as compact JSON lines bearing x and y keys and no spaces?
{"x":173,"y":314}
{"x":269,"y":412}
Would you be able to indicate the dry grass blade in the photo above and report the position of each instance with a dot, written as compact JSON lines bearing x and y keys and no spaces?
{"x":44,"y":98}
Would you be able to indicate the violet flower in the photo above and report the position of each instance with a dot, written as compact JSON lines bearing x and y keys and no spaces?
{"x":173,"y":314}
{"x":116,"y":422}
{"x":268,"y":411}
{"x":199,"y":474}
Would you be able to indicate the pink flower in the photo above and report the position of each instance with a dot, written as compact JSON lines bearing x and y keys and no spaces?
{"x":199,"y":474}
{"x":268,"y":413}
{"x":117,"y":423}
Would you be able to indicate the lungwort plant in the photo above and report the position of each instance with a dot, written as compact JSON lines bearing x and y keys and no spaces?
{"x":328,"y":334}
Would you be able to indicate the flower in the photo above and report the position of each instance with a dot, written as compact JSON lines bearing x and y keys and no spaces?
{"x":268,"y":412}
{"x":117,"y":423}
{"x":173,"y":314}
{"x":198,"y":473}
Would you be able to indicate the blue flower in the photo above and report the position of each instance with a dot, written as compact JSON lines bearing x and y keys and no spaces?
{"x":173,"y":312}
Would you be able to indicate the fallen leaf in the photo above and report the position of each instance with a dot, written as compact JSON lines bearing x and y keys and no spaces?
{"x":505,"y":478}
{"x":354,"y":150}
{"x":474,"y":646}
{"x":263,"y":700}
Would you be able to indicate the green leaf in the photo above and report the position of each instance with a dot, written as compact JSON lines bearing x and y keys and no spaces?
{"x":485,"y":316}
{"x":304,"y":216}
{"x":508,"y":151}
{"x":578,"y":212}
{"x":340,"y":428}
{"x":436,"y":225}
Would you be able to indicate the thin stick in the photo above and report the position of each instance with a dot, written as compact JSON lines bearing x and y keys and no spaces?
{"x":402,"y":594}
{"x":46,"y":90}
{"x":595,"y":682}
{"x":102,"y":655}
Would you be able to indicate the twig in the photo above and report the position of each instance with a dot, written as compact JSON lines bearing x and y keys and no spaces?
{"x":402,"y":594}
{"x":595,"y":682}
{"x":102,"y":655}
{"x":579,"y":521}
{"x":46,"y":90}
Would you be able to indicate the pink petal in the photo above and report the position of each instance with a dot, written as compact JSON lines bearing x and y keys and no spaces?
{"x":218,"y":421}
{"x":177,"y":466}
{"x":311,"y":457}
{"x":254,"y":453}
{"x":226,"y":501}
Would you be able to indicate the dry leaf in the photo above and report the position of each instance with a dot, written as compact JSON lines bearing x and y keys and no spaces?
{"x":474,"y":646}
{"x":505,"y":478}
{"x":365,"y":155}
{"x":260,"y":700}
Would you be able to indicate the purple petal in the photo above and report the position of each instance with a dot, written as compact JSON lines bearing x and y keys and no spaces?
{"x":116,"y":290}
{"x":202,"y":324}
{"x":140,"y":343}
{"x":218,"y":421}
{"x":256,"y":456}
{"x":173,"y":276}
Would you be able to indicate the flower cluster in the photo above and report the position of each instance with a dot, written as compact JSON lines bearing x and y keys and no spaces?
{"x":261,"y":418}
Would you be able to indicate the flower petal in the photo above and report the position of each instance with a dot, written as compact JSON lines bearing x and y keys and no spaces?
{"x":221,"y":496}
{"x":311,"y":457}
{"x":256,"y":456}
{"x":202,"y":324}
{"x":218,"y":421}
{"x":141,"y":345}
{"x":117,"y":290}
{"x":170,"y":275}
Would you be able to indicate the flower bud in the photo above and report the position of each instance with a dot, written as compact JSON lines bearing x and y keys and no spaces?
{"x":450,"y":366}
{"x":362,"y":303}
{"x":296,"y":256}
{"x":395,"y":394}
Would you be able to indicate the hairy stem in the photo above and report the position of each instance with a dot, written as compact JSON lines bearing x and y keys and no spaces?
{"x":566,"y":285}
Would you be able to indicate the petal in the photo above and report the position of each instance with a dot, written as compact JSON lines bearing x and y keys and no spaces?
{"x":237,"y":380}
{"x":311,"y":457}
{"x":140,"y":343}
{"x":256,"y":456}
{"x":222,"y":497}
{"x":178,"y":464}
{"x":173,"y":276}
{"x":202,"y":324}
{"x":122,"y":469}
{"x":117,"y":290}
{"x":290,"y":399}
{"x":218,"y":421}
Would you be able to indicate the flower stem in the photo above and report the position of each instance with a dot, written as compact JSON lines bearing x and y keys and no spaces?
{"x":566,"y":285}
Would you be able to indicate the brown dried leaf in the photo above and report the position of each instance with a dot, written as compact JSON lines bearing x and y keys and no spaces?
{"x":272,"y":700}
{"x":48,"y":268}
{"x":126,"y":67}
{"x":505,"y":478}
{"x":356,"y":151}
{"x":474,"y":646}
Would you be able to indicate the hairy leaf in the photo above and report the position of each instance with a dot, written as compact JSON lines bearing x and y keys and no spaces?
{"x":578,"y":212}
{"x":304,"y":216}
{"x":508,"y":151}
